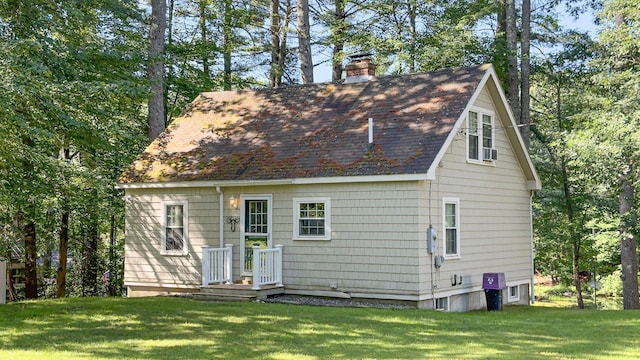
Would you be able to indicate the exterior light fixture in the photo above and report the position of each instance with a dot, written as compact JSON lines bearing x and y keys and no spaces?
{"x":233,"y":202}
{"x":233,"y":220}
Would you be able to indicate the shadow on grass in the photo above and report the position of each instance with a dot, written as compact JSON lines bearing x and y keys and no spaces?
{"x":160,"y":328}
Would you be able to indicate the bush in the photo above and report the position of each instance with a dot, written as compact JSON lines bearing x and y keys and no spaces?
{"x":611,"y":285}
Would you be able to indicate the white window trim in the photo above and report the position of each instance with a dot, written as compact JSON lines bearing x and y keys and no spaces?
{"x":185,"y":230}
{"x":444,"y":300}
{"x":327,"y":218}
{"x":445,"y":201}
{"x":513,"y":298}
{"x":480,"y":112}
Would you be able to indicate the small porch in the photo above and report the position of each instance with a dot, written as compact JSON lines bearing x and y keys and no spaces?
{"x":217,"y":274}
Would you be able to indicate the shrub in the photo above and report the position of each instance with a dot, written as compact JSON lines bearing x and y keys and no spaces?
{"x":611,"y":285}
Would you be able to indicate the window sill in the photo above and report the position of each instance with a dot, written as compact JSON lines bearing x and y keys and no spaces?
{"x":311,"y":239}
{"x":177,"y":254}
{"x":482,"y":162}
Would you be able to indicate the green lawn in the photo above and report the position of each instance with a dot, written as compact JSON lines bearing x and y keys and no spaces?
{"x":180,"y":328}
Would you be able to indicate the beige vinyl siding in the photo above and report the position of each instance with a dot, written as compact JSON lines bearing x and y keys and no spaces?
{"x":364,"y":254}
{"x":373,"y":244}
{"x":144,"y":227}
{"x":494,"y":211}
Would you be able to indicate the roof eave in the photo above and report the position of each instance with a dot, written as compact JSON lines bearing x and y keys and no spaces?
{"x":278,"y":182}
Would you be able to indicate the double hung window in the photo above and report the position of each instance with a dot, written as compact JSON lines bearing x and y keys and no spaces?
{"x":451,"y":221}
{"x":480,"y":136}
{"x":312,"y":220}
{"x":174,"y":239}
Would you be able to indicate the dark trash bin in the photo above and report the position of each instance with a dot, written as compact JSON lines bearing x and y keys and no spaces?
{"x":493,"y":283}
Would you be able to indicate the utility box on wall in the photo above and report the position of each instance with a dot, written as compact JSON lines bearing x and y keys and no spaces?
{"x":3,"y":281}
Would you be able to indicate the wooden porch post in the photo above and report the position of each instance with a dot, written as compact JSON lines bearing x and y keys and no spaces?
{"x":229,"y":264}
{"x":279,"y":265}
{"x":256,"y":268}
{"x":205,"y":266}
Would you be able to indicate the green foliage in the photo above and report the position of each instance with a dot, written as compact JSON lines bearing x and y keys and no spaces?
{"x":71,"y":110}
{"x":567,"y":203}
{"x":587,"y":116}
{"x":200,"y":35}
{"x":611,"y":285}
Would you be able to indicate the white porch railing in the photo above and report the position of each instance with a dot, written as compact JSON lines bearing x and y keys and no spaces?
{"x":267,"y":266}
{"x":217,"y":265}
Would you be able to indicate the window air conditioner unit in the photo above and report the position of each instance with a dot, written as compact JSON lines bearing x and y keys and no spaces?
{"x":489,"y":154}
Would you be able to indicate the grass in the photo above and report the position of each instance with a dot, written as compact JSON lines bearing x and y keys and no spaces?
{"x":564,"y":296}
{"x":181,"y":328}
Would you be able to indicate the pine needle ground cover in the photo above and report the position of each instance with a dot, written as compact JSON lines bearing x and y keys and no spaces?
{"x":181,"y":328}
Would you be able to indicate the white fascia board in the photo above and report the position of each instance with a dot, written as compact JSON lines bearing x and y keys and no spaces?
{"x":534,"y":184}
{"x":299,"y":181}
{"x":490,"y":73}
{"x":357,"y":179}
{"x":206,"y":183}
{"x":537,"y":184}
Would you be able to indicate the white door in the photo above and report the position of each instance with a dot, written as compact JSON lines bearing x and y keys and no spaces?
{"x":255,"y":217}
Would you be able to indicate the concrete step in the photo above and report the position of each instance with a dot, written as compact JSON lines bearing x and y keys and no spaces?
{"x":214,"y":297}
{"x":239,"y":292}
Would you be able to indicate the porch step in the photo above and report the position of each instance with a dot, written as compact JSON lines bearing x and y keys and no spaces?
{"x":236,"y":292}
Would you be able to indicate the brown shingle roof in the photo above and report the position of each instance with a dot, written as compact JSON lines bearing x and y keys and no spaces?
{"x":314,"y":130}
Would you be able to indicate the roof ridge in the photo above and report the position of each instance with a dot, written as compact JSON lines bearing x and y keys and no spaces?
{"x":483,"y":67}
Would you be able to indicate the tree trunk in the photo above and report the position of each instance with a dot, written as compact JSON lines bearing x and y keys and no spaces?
{"x":413,"y":34}
{"x":170,"y":23}
{"x":156,"y":112}
{"x":568,"y":202}
{"x":168,"y":78}
{"x":111,"y":285}
{"x":628,"y":244}
{"x":203,"y":37}
{"x":90,"y":258}
{"x":30,"y":256}
{"x":525,"y":73}
{"x":275,"y":75}
{"x":226,"y":47}
{"x":304,"y":42}
{"x":338,"y":44}
{"x":63,"y":237}
{"x":24,"y":220}
{"x":576,"y":269}
{"x":282,"y":56}
{"x":512,"y":59}
{"x":61,"y":273}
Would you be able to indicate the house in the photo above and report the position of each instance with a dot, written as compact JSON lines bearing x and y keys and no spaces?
{"x":336,"y":188}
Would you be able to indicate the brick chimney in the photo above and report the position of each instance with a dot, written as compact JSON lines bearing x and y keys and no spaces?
{"x":361,"y":69}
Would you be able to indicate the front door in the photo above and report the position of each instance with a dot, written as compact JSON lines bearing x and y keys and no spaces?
{"x":256,"y":230}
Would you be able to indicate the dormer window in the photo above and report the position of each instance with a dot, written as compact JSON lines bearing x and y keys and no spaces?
{"x":480,"y":137}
